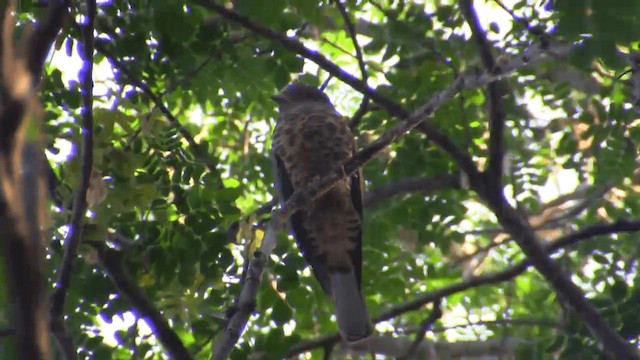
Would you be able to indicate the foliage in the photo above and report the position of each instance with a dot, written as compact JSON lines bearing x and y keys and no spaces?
{"x":189,"y":212}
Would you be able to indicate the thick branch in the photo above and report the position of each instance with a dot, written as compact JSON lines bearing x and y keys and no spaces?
{"x":496,"y":109}
{"x":21,"y":178}
{"x":44,"y":36}
{"x":246,"y":302}
{"x":512,"y":221}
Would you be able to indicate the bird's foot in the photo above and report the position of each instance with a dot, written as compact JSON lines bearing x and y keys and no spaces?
{"x":340,"y":171}
{"x":305,"y":198}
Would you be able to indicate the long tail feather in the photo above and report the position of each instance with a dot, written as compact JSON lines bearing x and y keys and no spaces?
{"x":350,"y":308}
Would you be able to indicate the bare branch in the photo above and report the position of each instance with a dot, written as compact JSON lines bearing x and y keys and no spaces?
{"x":553,"y":215}
{"x":396,"y":347}
{"x":73,"y":238}
{"x":512,"y":221}
{"x":504,"y":322}
{"x":411,"y":185}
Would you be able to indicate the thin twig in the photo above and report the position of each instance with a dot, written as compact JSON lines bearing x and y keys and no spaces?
{"x":436,"y":313}
{"x":411,"y":185}
{"x":196,"y":149}
{"x":522,"y":20}
{"x":364,"y":104}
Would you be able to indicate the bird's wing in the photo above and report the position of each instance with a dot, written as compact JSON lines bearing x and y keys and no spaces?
{"x":356,"y":198}
{"x":284,"y":189}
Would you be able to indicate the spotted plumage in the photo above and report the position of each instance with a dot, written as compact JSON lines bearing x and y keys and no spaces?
{"x":311,"y":140}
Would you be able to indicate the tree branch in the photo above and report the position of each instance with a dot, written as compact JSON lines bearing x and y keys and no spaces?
{"x":364,"y":105}
{"x":73,"y":238}
{"x":623,"y":226}
{"x":436,"y":313}
{"x":494,"y":171}
{"x":411,"y":185}
{"x":43,"y":37}
{"x":22,"y":199}
{"x":512,"y":221}
{"x":110,"y":260}
{"x":246,"y":301}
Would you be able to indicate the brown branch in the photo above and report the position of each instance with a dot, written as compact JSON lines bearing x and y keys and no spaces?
{"x":504,"y":322}
{"x":512,"y":221}
{"x":73,"y":238}
{"x":111,"y":262}
{"x":44,"y":36}
{"x":521,"y":20}
{"x":364,"y":104}
{"x":22,"y":199}
{"x":411,"y":185}
{"x":623,"y":226}
{"x":7,"y":332}
{"x":552,"y":215}
{"x":496,"y":111}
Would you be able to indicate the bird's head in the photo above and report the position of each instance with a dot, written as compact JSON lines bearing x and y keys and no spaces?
{"x":298,"y":93}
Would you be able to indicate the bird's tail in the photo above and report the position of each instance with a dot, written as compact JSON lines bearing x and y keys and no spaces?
{"x":350,"y":308}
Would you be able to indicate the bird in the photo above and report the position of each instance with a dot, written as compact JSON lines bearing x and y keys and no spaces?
{"x":311,"y":139}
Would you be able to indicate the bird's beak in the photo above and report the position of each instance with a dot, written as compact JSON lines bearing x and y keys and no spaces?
{"x":279,"y":99}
